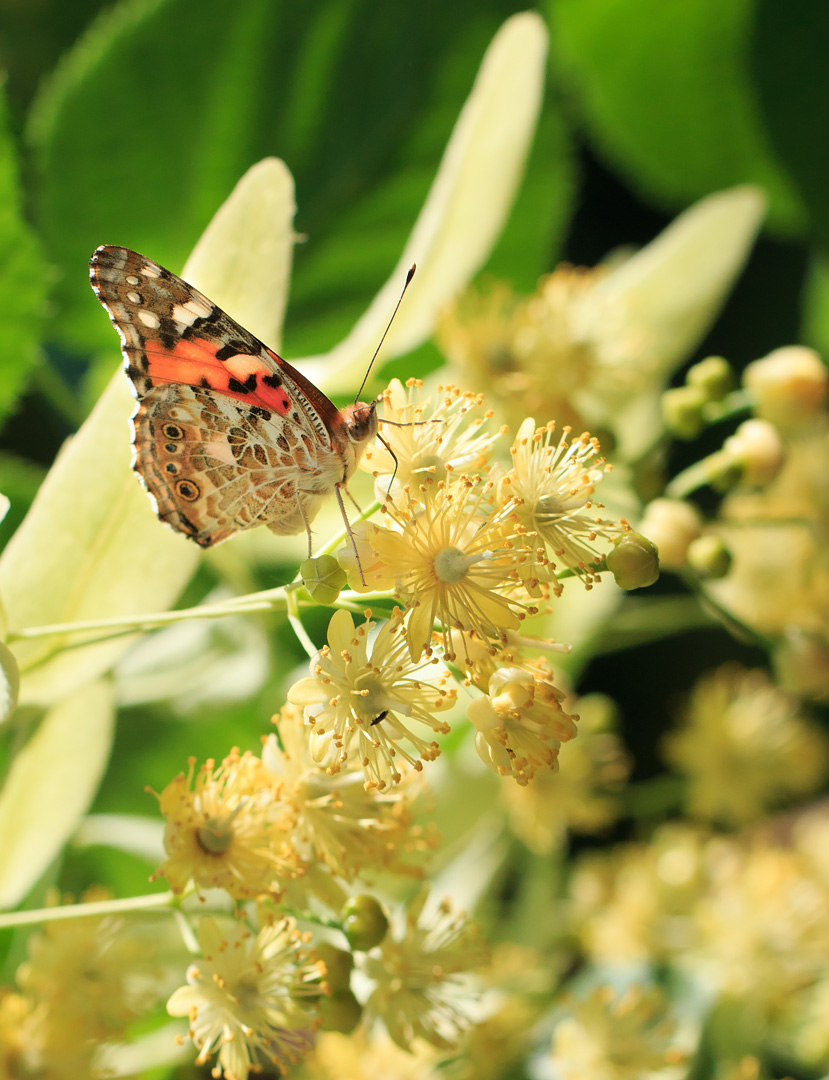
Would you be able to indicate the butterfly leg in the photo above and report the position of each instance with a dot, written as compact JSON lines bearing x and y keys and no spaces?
{"x":307,"y":524}
{"x":351,"y":537}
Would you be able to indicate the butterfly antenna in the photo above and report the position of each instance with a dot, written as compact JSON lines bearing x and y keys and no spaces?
{"x":409,"y":277}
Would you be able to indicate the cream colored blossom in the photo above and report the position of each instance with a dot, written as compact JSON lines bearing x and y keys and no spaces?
{"x":745,"y":747}
{"x":227,"y":829}
{"x":84,"y":981}
{"x":553,"y":480}
{"x":251,"y":998}
{"x":452,"y":560}
{"x":520,"y":722}
{"x":427,"y":442}
{"x":338,"y":823}
{"x":422,"y":977}
{"x":582,"y":795}
{"x":369,"y":1056}
{"x":761,"y":926}
{"x":634,"y":904}
{"x":366,"y":697}
{"x":612,"y":1036}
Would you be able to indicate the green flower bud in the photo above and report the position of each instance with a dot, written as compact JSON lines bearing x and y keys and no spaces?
{"x":682,"y":411}
{"x":338,"y":966}
{"x":634,"y":562}
{"x":714,"y":376}
{"x":323,"y":578}
{"x":364,"y":922}
{"x":709,"y":556}
{"x":341,"y":1012}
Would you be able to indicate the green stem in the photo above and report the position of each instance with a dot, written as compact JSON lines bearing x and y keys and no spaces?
{"x":262,"y":601}
{"x":82,"y":911}
{"x":737,"y":403}
{"x":740,"y":630}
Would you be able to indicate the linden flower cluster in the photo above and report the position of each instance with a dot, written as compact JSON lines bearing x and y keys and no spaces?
{"x":466,"y":555}
{"x":746,"y":920}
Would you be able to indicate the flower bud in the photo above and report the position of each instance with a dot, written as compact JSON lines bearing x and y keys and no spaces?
{"x":634,"y":562}
{"x":338,"y":966}
{"x":757,"y":450}
{"x":789,"y":386}
{"x":714,"y":376}
{"x":340,"y":1012}
{"x":671,"y":524}
{"x":364,"y":922}
{"x":709,"y":556}
{"x":682,"y":411}
{"x":323,"y":578}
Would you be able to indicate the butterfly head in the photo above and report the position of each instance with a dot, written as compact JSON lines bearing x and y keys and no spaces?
{"x":361,"y":422}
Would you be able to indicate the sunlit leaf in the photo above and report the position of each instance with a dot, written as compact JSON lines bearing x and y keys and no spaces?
{"x":50,"y":785}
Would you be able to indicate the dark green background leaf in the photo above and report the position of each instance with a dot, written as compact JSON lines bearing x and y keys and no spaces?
{"x":154,"y":116}
{"x":789,"y":58}
{"x":666,"y":93}
{"x":22,"y":279}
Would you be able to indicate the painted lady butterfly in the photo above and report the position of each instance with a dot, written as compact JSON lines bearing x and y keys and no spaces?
{"x":226,"y":434}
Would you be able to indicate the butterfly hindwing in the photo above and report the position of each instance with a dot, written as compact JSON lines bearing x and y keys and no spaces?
{"x":227,"y":435}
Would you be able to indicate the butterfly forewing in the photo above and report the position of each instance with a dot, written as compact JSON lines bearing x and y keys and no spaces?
{"x":227,"y":435}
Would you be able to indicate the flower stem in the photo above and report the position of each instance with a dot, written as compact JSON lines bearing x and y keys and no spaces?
{"x":81,"y":911}
{"x":266,"y":600}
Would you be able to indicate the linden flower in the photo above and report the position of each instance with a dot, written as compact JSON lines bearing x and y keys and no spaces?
{"x":633,"y":905}
{"x":521,"y":724}
{"x":227,"y":829}
{"x":763,"y":932}
{"x":422,"y":979}
{"x":612,"y":1037}
{"x":745,"y":747}
{"x":364,"y":1055}
{"x":449,"y":564}
{"x":583,"y":794}
{"x":85,"y":980}
{"x":338,"y":822}
{"x":244,"y":998}
{"x":424,"y":442}
{"x":364,"y":697}
{"x":553,"y":481}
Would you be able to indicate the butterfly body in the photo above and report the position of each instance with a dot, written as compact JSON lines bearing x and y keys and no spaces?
{"x":226,"y":434}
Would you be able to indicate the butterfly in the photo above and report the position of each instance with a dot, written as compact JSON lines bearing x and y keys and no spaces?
{"x":226,"y":434}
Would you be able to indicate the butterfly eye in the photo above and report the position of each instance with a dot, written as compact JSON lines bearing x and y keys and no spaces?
{"x":187,"y":490}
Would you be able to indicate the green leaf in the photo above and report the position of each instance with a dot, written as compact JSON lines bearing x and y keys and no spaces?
{"x":151,"y":118}
{"x":22,"y":279}
{"x":9,"y":682}
{"x":666,"y":94}
{"x":789,"y":63}
{"x":50,"y":785}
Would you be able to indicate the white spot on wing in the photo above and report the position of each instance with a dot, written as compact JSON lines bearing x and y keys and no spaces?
{"x":133,"y":280}
{"x":149,"y":319}
{"x":192,"y":310}
{"x":150,"y":271}
{"x":134,"y":297}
